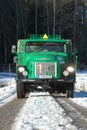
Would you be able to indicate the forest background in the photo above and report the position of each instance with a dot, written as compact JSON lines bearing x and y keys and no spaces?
{"x":19,"y":18}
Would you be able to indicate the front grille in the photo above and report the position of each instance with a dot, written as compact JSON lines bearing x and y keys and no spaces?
{"x":45,"y":70}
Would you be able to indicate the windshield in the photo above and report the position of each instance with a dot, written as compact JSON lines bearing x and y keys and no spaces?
{"x":32,"y":47}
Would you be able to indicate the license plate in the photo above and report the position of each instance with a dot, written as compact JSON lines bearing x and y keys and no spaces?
{"x":45,"y":76}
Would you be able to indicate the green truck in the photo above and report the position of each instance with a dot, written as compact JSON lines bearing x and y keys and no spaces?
{"x":45,"y":62}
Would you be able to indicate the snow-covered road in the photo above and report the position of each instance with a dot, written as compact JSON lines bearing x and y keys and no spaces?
{"x":42,"y":112}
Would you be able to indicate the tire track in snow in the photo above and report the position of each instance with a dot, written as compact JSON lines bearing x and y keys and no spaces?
{"x":76,"y":112}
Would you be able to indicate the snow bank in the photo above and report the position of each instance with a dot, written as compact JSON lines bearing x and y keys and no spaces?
{"x":81,"y":82}
{"x":7,"y":88}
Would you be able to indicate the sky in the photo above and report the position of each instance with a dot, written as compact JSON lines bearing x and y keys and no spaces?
{"x":41,"y":111}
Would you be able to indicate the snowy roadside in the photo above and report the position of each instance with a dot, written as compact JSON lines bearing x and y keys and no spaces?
{"x":7,"y":88}
{"x":81,"y":82}
{"x":80,"y":95}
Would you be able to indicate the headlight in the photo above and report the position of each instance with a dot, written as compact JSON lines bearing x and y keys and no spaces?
{"x":25,"y":73}
{"x":70,"y":69}
{"x":21,"y":69}
{"x":65,"y":73}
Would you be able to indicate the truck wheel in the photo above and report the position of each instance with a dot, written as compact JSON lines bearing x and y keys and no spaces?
{"x":70,"y":91}
{"x":20,"y":90}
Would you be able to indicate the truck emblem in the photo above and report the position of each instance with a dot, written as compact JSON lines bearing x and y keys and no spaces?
{"x":40,"y":67}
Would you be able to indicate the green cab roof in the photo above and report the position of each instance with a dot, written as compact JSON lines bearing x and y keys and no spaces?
{"x":46,"y":38}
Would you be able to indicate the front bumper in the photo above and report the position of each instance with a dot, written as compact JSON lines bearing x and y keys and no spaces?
{"x":71,"y":80}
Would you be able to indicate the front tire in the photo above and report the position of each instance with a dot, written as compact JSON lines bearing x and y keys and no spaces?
{"x":20,"y":90}
{"x":70,"y":90}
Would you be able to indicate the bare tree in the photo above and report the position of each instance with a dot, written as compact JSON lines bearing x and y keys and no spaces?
{"x":54,"y":16}
{"x":36,"y":18}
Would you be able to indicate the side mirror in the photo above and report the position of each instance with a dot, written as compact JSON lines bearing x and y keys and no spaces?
{"x":13,"y":49}
{"x":15,"y":59}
